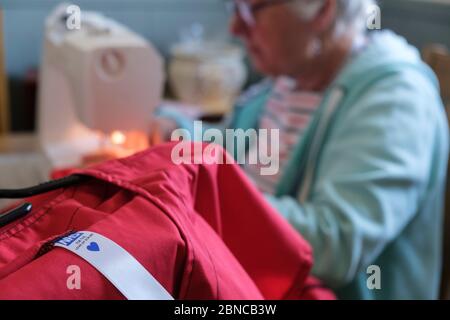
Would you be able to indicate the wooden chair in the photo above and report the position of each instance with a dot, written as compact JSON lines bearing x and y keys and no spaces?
{"x":4,"y":101}
{"x":438,"y":57}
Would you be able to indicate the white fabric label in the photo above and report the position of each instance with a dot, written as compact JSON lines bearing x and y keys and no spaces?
{"x":116,"y":264}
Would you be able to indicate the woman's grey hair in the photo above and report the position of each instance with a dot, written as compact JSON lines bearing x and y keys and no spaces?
{"x":351,"y":14}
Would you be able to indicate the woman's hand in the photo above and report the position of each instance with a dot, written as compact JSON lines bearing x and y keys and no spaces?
{"x":161,"y":130}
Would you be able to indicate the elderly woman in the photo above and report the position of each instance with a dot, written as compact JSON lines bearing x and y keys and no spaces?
{"x":363,"y":143}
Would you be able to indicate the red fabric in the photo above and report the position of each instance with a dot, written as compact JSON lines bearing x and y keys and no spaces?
{"x":202,"y":230}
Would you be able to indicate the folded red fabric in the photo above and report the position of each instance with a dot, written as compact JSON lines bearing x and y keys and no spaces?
{"x":202,"y":230}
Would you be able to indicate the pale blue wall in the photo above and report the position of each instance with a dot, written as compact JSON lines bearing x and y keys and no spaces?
{"x":160,"y":20}
{"x":420,"y":21}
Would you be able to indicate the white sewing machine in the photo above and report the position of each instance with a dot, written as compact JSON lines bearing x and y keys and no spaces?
{"x":100,"y":79}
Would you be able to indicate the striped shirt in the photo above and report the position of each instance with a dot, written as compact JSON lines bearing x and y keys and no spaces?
{"x":290,"y":111}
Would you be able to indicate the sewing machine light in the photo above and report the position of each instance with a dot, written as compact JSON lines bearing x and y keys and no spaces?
{"x":118,"y":144}
{"x":118,"y":138}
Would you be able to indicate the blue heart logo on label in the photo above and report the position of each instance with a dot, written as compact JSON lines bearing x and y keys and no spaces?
{"x":93,"y":246}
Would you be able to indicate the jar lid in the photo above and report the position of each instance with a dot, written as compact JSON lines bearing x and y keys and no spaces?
{"x":200,"y":50}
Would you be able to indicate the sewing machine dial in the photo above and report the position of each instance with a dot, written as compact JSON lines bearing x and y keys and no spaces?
{"x":112,"y":64}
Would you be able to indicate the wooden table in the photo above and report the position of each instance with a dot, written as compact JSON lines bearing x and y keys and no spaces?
{"x":19,"y":144}
{"x":22,"y":164}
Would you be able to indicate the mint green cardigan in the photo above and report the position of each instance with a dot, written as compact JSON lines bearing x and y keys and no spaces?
{"x":365,"y":185}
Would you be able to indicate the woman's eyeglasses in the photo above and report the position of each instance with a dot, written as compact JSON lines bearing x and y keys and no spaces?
{"x":247,"y":11}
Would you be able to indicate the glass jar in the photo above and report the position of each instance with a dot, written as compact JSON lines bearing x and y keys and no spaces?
{"x":209,"y":75}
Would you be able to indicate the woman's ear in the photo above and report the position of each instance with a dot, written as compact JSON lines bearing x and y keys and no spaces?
{"x":325,"y":17}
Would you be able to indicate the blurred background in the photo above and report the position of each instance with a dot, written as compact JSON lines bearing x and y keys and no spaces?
{"x":422,"y":22}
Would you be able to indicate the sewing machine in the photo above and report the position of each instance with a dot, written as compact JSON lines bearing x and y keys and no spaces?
{"x":96,"y":85}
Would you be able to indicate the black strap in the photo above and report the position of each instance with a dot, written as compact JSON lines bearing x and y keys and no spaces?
{"x":15,"y":214}
{"x":24,"y":209}
{"x":42,"y":188}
